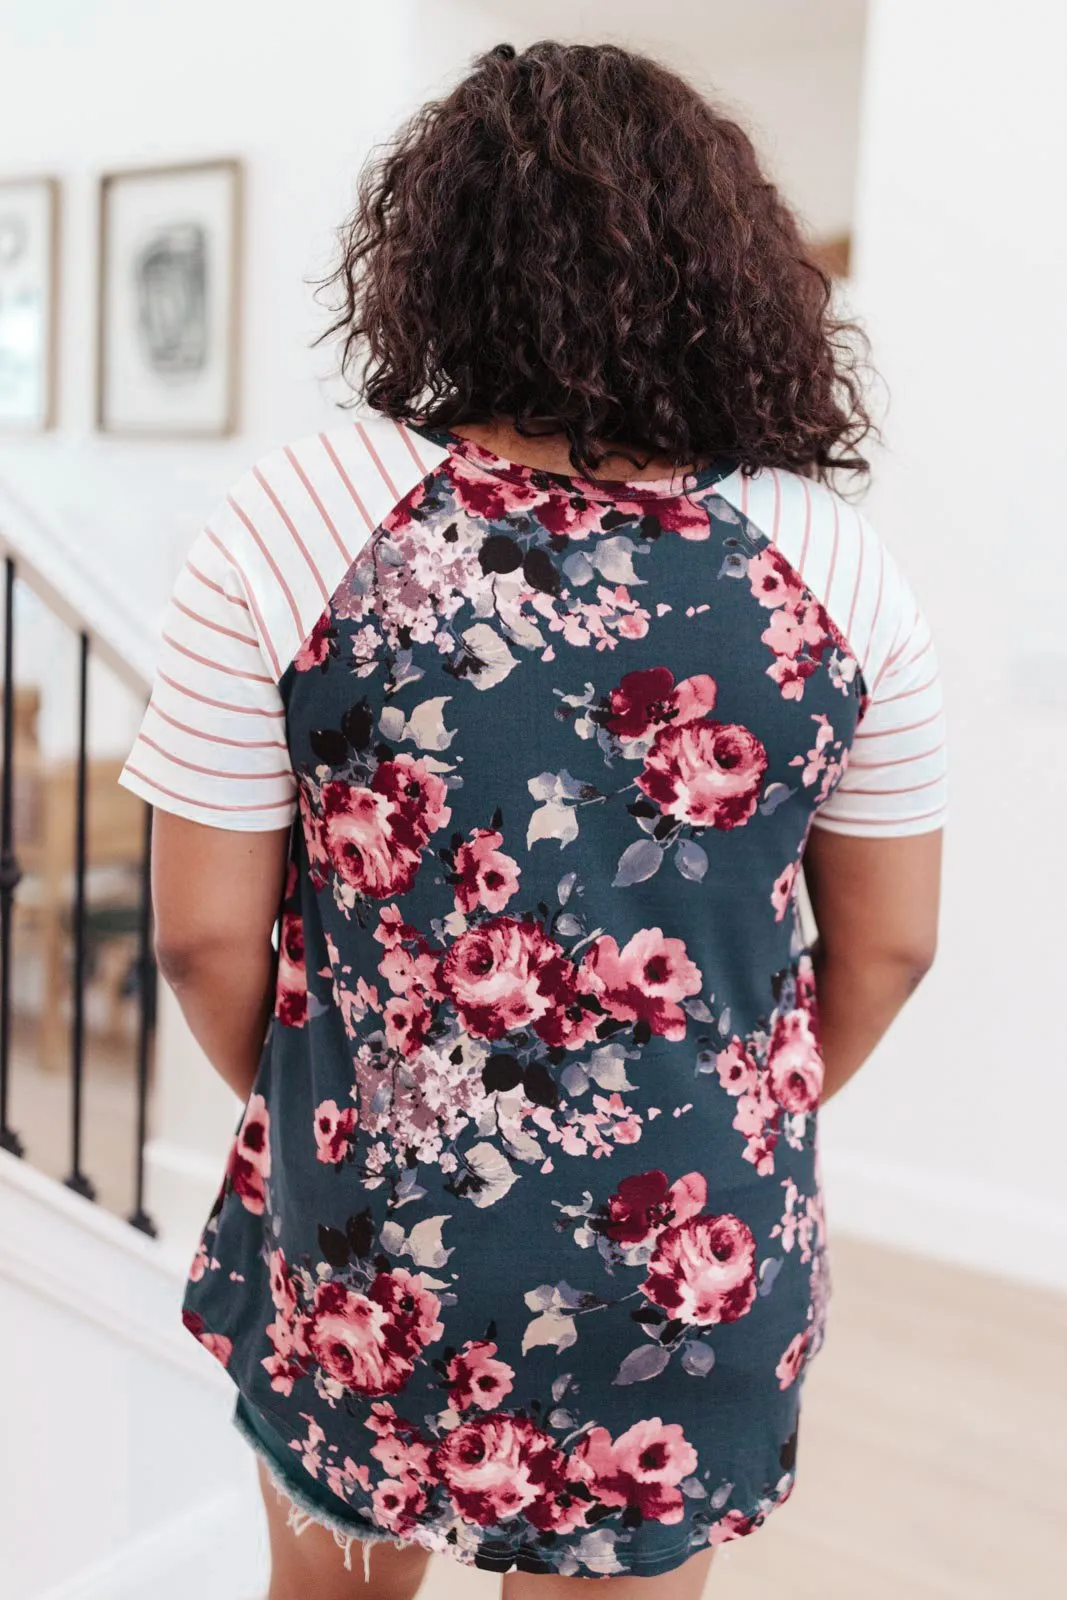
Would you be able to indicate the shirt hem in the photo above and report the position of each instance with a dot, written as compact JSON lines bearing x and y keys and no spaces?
{"x":350,"y":1526}
{"x":229,"y":821}
{"x":905,"y":828}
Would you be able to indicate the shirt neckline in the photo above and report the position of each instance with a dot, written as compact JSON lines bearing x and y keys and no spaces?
{"x":607,"y":490}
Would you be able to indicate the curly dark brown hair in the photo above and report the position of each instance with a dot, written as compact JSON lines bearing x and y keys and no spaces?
{"x":575,"y":242}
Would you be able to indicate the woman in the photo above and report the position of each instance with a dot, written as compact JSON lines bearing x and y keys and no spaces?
{"x":523,"y":699}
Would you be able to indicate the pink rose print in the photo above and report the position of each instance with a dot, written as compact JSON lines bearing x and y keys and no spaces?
{"x":485,"y":876}
{"x":705,"y":773}
{"x":407,"y":971}
{"x":645,"y":1203}
{"x":414,"y":1310}
{"x":374,"y":836}
{"x":396,"y":1503}
{"x":369,"y":1343}
{"x":487,"y":495}
{"x":315,"y":840}
{"x":281,"y":1289}
{"x":772,"y":579}
{"x":249,"y":1164}
{"x":400,"y":518}
{"x":641,"y":1468}
{"x":791,"y":676}
{"x":498,"y":1465}
{"x":799,"y":631}
{"x":407,"y":1018}
{"x":342,"y":1480}
{"x":200,"y":1264}
{"x":755,"y":1108}
{"x":316,"y":651}
{"x":734,"y":1525}
{"x":681,"y":516}
{"x":703,"y":1270}
{"x":640,"y":703}
{"x":347,"y":1338}
{"x":399,"y":1446}
{"x":738,"y":1073}
{"x":650,"y":699}
{"x":333,"y":1130}
{"x":287,"y":1333}
{"x":786,"y":633}
{"x":644,"y":981}
{"x":493,"y":973}
{"x":291,"y":999}
{"x":794,"y":1063}
{"x":215,"y":1344}
{"x":365,"y":842}
{"x":782,"y":893}
{"x":572,"y":516}
{"x":569,"y":1023}
{"x":418,"y":795}
{"x":694,"y":697}
{"x":791,"y":1364}
{"x":477,"y":1379}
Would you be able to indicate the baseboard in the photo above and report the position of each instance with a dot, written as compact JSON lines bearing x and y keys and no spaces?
{"x":981,"y":1226}
{"x":215,"y":1550}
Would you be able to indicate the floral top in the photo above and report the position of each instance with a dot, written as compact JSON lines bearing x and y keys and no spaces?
{"x":519,"y":1252}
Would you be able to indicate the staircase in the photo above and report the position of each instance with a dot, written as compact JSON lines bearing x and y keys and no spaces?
{"x":120,"y":1475}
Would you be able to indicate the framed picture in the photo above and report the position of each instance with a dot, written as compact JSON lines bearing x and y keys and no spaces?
{"x":834,"y":255}
{"x":170,"y":270}
{"x":29,"y":273}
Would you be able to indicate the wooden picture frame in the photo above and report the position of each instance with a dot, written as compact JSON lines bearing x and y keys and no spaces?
{"x":29,"y":303}
{"x":169,"y":300}
{"x":834,"y":255}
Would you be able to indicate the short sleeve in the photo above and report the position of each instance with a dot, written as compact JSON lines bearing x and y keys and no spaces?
{"x":895,"y":782}
{"x":212,"y":746}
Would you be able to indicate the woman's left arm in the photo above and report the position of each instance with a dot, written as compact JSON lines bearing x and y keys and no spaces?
{"x":217,"y":895}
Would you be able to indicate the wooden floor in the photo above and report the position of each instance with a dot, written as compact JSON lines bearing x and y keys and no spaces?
{"x":933,"y":1449}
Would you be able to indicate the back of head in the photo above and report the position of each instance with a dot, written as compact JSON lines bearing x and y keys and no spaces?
{"x":575,"y":241}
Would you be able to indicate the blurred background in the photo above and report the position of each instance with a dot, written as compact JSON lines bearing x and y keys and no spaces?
{"x":179,"y":171}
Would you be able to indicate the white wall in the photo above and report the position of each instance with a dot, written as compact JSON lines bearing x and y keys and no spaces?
{"x":950,"y":1140}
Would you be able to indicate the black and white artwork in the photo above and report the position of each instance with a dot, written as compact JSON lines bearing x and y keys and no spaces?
{"x":169,"y":300}
{"x":28,"y":266}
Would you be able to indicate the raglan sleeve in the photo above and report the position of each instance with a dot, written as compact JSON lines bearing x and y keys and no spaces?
{"x":896,"y":780}
{"x":212,"y":746}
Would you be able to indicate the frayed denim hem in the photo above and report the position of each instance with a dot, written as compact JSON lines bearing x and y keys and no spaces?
{"x":303,"y":1512}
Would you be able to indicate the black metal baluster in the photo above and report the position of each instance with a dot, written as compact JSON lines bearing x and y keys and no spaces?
{"x":146,"y":1021}
{"x":10,"y":872}
{"x":77,"y":1180}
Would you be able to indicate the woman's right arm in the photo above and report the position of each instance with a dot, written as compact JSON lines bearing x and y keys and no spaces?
{"x":876,"y":907}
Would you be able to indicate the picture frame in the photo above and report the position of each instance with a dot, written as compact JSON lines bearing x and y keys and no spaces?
{"x":29,"y":303}
{"x":833,"y":254}
{"x":169,"y":308}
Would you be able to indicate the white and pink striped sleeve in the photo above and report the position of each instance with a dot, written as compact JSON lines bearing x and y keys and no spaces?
{"x":896,"y":780}
{"x":212,"y":746}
